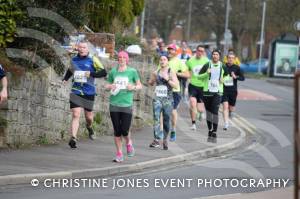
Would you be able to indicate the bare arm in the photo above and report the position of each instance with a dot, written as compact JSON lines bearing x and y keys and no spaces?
{"x":173,"y":81}
{"x":3,"y":94}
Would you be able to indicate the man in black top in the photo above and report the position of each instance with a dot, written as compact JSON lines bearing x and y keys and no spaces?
{"x":235,"y":73}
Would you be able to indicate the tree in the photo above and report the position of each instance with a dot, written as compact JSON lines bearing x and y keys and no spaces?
{"x":112,"y":15}
{"x":209,"y":17}
{"x":71,"y":10}
{"x":281,"y":15}
{"x":9,"y":14}
{"x":164,"y":15}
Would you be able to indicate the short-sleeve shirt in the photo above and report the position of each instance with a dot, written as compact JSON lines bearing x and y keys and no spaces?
{"x":176,"y":65}
{"x":195,"y":65}
{"x":2,"y":72}
{"x":124,"y":98}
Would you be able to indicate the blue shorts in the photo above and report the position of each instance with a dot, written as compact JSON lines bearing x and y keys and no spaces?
{"x":176,"y":99}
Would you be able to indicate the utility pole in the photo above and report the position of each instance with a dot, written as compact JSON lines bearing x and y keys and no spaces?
{"x":188,"y":35}
{"x":226,"y":27}
{"x":262,"y":35}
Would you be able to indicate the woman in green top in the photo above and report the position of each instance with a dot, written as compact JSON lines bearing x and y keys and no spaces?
{"x":123,"y":80}
{"x":213,"y":74}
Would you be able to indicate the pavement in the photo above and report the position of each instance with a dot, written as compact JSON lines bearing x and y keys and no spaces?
{"x":94,"y":158}
{"x":289,"y":82}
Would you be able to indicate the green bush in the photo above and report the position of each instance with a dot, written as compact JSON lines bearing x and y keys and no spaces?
{"x":9,"y":14}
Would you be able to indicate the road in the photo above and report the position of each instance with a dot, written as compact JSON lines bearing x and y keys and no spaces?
{"x":267,"y":155}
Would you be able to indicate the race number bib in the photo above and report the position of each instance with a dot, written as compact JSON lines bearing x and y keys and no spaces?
{"x":197,"y":69}
{"x":79,"y":76}
{"x":121,"y":82}
{"x":228,"y":81}
{"x":213,"y":85}
{"x":161,"y":91}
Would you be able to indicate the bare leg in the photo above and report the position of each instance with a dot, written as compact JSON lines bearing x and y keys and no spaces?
{"x":75,"y":121}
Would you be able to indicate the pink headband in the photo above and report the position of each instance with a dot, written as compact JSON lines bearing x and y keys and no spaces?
{"x":124,"y":54}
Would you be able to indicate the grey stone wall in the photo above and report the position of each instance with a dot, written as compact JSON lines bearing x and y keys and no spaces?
{"x":37,"y":111}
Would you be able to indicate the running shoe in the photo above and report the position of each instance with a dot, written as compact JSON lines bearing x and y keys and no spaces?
{"x":154,"y":144}
{"x":173,"y":136}
{"x":72,"y":142}
{"x":193,"y":127}
{"x":226,"y":126}
{"x":91,"y":132}
{"x":130,"y":150}
{"x":119,"y":158}
{"x":214,"y":134}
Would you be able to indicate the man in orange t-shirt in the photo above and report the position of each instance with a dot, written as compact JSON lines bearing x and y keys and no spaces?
{"x":185,"y":46}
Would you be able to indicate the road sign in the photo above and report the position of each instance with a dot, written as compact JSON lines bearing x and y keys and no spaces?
{"x":297,"y":25}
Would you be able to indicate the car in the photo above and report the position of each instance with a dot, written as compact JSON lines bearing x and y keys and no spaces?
{"x":252,"y":66}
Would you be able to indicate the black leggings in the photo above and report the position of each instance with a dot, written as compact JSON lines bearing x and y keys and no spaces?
{"x":121,"y":119}
{"x":212,"y":104}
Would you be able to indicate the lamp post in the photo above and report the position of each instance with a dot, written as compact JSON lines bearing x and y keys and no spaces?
{"x":142,"y":24}
{"x":189,"y":21}
{"x":262,"y":35}
{"x":226,"y":27}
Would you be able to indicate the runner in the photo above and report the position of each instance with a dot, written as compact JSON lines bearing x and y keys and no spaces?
{"x":236,"y":59}
{"x":213,"y":72}
{"x":3,"y":93}
{"x":230,"y":88}
{"x":123,"y":80}
{"x":161,"y":50}
{"x":184,"y":57}
{"x":84,"y":69}
{"x":185,"y":46}
{"x":165,"y":80}
{"x":195,"y":88}
{"x":182,"y":72}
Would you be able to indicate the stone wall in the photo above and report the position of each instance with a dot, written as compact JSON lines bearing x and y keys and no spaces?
{"x":37,"y":111}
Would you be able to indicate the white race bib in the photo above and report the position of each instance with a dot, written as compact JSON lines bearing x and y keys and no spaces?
{"x":161,"y":91}
{"x":213,"y":85}
{"x":197,"y":69}
{"x":228,"y":81}
{"x":79,"y":76}
{"x":121,"y":82}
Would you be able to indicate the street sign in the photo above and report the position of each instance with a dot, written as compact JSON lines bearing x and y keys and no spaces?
{"x":297,"y":25}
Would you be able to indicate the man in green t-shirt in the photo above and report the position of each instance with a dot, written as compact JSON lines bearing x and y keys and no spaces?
{"x":195,"y":88}
{"x":181,"y":70}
